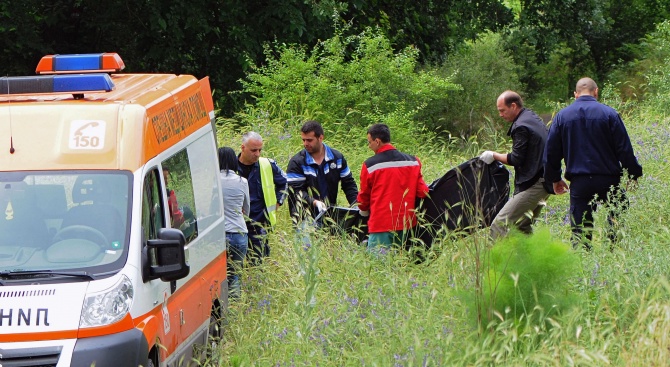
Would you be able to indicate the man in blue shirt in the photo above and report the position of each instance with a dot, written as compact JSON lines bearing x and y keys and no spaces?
{"x":595,"y":145}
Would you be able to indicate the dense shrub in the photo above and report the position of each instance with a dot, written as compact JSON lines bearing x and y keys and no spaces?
{"x":484,"y":70}
{"x":647,"y":78}
{"x":344,"y":82}
{"x":525,"y":272}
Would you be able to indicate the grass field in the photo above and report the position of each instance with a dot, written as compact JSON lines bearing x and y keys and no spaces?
{"x":329,"y":303}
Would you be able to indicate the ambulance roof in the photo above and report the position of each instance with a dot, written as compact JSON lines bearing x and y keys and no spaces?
{"x":142,"y":115}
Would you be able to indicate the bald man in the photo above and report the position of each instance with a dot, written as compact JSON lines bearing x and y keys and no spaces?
{"x":592,"y":140}
{"x":529,"y":136}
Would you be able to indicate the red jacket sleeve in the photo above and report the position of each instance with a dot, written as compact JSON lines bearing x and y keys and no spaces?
{"x":364,"y":193}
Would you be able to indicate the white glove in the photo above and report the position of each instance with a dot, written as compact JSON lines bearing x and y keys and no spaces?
{"x":320,"y":206}
{"x":487,"y":157}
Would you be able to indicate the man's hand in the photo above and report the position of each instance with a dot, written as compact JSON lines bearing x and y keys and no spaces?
{"x":561,"y":187}
{"x":487,"y":157}
{"x":320,"y":206}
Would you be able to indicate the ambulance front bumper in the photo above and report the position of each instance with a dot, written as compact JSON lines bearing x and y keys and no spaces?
{"x":128,"y":348}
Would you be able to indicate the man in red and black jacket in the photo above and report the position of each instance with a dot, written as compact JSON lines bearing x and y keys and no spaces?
{"x":390,"y":183}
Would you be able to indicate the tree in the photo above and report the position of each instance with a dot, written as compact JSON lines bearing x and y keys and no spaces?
{"x":434,"y":27}
{"x":590,"y":36}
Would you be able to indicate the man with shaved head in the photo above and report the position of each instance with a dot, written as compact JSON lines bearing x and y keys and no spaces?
{"x":592,"y":140}
{"x":529,"y":135}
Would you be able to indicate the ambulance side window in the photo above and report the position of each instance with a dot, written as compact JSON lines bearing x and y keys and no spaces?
{"x":204,"y":165}
{"x":179,"y":193}
{"x":152,"y":205}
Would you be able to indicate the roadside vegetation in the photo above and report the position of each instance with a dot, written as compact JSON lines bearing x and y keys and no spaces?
{"x":327,"y":302}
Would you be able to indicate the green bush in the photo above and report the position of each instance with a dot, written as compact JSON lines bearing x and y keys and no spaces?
{"x":344,"y":82}
{"x":525,"y":272}
{"x":484,"y":70}
{"x":647,"y":78}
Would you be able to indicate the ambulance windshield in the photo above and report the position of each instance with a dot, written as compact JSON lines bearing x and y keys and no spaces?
{"x":64,"y":220}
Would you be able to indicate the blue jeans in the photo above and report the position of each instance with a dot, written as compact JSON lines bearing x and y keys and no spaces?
{"x":237,"y":251}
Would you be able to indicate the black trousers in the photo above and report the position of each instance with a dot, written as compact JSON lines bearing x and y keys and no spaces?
{"x":586,"y":193}
{"x":258,"y":244}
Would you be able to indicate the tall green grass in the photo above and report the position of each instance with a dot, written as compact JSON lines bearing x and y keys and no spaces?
{"x":330,"y":303}
{"x":325,"y":301}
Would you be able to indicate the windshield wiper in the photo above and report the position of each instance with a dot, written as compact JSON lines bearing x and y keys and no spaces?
{"x":25,"y":274}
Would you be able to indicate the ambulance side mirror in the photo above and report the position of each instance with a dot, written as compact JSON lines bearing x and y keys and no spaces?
{"x":165,"y":256}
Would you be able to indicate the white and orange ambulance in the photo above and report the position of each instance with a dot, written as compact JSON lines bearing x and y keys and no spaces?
{"x":112,"y":241}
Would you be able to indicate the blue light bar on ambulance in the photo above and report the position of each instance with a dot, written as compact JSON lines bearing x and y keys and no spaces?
{"x":72,"y":83}
{"x":80,"y":63}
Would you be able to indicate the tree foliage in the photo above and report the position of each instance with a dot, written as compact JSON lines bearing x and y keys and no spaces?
{"x":222,"y":39}
{"x":588,"y":36}
{"x":434,"y":27}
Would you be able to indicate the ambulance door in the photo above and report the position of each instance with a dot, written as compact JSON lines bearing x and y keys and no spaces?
{"x":156,"y":291}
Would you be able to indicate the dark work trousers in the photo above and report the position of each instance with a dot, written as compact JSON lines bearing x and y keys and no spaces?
{"x":258,"y":244}
{"x":586,"y":193}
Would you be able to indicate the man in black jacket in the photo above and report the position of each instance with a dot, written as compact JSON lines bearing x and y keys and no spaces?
{"x":529,"y":136}
{"x":314,"y":175}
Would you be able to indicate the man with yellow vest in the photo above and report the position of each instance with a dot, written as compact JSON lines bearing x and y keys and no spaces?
{"x":267,"y":191}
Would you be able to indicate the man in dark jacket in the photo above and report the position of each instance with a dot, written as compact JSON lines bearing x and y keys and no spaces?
{"x":529,"y":136}
{"x":595,"y":145}
{"x":315,"y":173}
{"x":267,"y":190}
{"x":391,"y":181}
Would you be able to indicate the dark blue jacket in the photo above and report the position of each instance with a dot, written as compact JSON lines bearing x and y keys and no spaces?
{"x":303,"y":178}
{"x":257,"y":212}
{"x":592,"y":139}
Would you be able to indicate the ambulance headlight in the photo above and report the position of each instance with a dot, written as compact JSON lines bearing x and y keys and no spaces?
{"x":108,"y":306}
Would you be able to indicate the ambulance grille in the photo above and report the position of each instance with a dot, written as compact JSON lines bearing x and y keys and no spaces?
{"x":30,"y":357}
{"x":23,"y":294}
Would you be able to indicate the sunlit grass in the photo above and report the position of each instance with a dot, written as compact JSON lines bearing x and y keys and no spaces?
{"x":330,"y":303}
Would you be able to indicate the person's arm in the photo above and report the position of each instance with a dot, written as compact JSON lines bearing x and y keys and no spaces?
{"x":421,"y":187}
{"x":297,"y":193}
{"x":246,"y":203}
{"x":553,"y":152}
{"x":519,"y":152}
{"x":364,"y":194}
{"x":280,"y":181}
{"x":348,"y":183}
{"x":624,"y":148}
